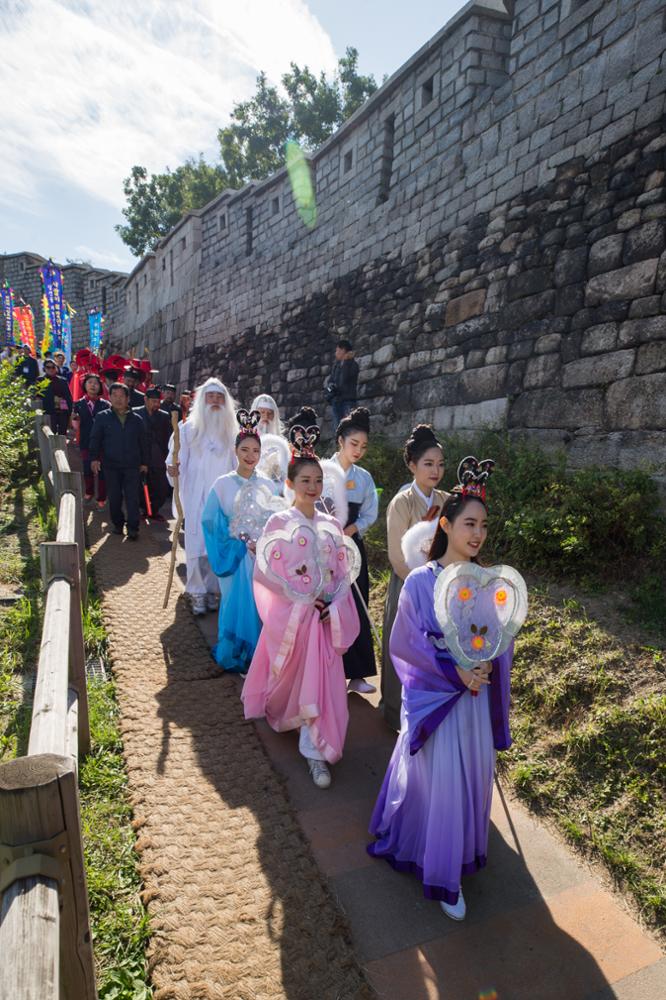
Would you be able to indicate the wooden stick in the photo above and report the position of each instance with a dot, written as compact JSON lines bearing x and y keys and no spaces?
{"x":179,"y":507}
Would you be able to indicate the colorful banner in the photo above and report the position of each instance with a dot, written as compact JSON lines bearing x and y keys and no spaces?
{"x":67,"y":332}
{"x":47,"y":339}
{"x":96,"y":324}
{"x":7,"y":295}
{"x":26,"y":324}
{"x":54,"y":306}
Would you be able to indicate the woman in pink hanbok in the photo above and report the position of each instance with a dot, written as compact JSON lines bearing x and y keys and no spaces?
{"x":302,"y":586}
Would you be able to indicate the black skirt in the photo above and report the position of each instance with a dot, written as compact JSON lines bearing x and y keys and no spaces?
{"x":359,"y":660}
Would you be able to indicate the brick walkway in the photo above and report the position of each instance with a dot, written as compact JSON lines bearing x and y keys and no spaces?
{"x":540,"y":926}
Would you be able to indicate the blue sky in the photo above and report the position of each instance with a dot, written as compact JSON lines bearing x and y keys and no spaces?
{"x":93,"y":87}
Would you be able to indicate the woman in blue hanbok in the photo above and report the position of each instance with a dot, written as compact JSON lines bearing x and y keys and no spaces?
{"x":232,"y":520}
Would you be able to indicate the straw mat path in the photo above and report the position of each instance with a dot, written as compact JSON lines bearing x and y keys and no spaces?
{"x":238,"y":908}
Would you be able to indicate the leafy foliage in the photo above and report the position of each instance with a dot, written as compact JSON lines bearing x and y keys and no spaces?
{"x":252,"y":146}
{"x":15,"y":423}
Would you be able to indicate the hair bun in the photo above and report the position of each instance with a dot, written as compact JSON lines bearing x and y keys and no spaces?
{"x":306,"y":417}
{"x":360,"y":418}
{"x":422,"y":433}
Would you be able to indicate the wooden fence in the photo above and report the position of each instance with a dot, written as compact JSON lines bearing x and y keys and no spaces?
{"x":45,"y":941}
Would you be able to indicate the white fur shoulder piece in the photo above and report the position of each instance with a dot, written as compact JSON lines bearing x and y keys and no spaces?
{"x":275,"y":455}
{"x":416,"y":543}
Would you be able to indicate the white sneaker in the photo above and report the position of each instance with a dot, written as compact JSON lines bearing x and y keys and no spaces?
{"x":456,"y":912}
{"x":320,"y":773}
{"x":212,"y":602}
{"x":361,"y":686}
{"x":198,"y":604}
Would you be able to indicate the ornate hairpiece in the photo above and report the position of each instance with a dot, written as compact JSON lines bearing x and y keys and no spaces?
{"x":303,"y":440}
{"x":473,"y":476}
{"x":247,"y":421}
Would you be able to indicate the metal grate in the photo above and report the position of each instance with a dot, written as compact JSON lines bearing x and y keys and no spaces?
{"x":96,"y":669}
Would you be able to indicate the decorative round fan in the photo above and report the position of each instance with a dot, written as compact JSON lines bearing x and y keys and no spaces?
{"x":479,"y":610}
{"x":309,"y":561}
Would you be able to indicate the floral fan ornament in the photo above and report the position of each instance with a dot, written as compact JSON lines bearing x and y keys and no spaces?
{"x":309,"y":561}
{"x":254,"y":504}
{"x":479,"y":610}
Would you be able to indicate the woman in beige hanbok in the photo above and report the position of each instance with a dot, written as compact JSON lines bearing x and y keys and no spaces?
{"x":420,"y":501}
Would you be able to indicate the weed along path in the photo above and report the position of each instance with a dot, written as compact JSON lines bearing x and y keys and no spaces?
{"x":258,"y":884}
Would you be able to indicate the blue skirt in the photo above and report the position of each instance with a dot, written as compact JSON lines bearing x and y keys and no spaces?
{"x":239,"y":624}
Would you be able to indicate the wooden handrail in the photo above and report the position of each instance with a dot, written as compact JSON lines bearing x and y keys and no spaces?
{"x":45,"y":939}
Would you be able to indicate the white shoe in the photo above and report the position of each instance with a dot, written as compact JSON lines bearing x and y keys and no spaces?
{"x":320,"y":773}
{"x":361,"y":686}
{"x":198,"y":604}
{"x":212,"y":602}
{"x":456,"y":912}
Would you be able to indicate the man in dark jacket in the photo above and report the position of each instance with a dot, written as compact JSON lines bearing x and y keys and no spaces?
{"x":83,"y":417}
{"x":64,"y":371}
{"x":119,"y":443}
{"x":158,"y":427}
{"x":132,"y":378}
{"x":169,"y":404}
{"x":27,"y":366}
{"x":342,"y":384}
{"x":56,"y":398}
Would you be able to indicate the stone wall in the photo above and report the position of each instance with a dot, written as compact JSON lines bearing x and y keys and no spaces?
{"x":85,"y":288}
{"x":489,"y":234}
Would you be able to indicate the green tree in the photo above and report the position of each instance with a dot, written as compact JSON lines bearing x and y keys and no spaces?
{"x":252,"y":146}
{"x":155,"y":203}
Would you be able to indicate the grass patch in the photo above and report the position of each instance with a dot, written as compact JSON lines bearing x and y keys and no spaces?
{"x":119,"y":920}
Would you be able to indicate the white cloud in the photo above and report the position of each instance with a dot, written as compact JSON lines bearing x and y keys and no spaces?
{"x":106,"y":259}
{"x":94,"y":87}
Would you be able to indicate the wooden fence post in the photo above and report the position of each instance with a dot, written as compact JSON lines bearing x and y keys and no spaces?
{"x":72,"y":482}
{"x":60,"y":564}
{"x":57,"y":442}
{"x":41,"y":421}
{"x":42,"y":875}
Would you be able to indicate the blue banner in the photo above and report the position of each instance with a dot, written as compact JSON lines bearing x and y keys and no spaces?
{"x":67,"y":333}
{"x":7,"y":295}
{"x":53,"y":293}
{"x":96,"y":324}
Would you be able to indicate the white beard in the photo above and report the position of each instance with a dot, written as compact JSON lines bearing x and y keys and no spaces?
{"x":213,"y":433}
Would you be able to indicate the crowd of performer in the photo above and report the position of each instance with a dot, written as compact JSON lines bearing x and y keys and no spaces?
{"x":274,"y":543}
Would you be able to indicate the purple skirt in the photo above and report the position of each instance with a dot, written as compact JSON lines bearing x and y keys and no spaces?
{"x":433,"y":811}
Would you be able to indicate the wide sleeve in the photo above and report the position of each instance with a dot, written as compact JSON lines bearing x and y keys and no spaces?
{"x":397,"y":523}
{"x":225,"y":553}
{"x":430,"y":681}
{"x":367,"y":515}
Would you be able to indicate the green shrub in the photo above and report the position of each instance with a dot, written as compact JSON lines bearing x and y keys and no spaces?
{"x":15,"y":423}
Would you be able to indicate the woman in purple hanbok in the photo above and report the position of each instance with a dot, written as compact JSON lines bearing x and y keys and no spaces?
{"x":433,"y":811}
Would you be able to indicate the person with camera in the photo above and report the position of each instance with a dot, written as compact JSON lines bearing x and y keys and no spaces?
{"x":341,"y":388}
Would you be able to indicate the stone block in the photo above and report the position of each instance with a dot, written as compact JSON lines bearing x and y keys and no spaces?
{"x":496,"y":355}
{"x":475,"y":359}
{"x":490,"y":413}
{"x":483,"y":383}
{"x":632,"y":282}
{"x":651,"y":358}
{"x":557,"y":408}
{"x":598,"y":339}
{"x":542,"y":370}
{"x":465,"y":307}
{"x":548,"y":343}
{"x":525,"y":310}
{"x":383,"y":355}
{"x":644,"y":242}
{"x":637,"y":403}
{"x":606,"y":254}
{"x":641,"y":331}
{"x":570,"y":266}
{"x":598,"y":370}
{"x":649,"y":306}
{"x":520,"y":349}
{"x":529,"y":283}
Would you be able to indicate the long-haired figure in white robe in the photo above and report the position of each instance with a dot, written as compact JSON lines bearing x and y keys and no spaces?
{"x":206,"y":452}
{"x":270,"y":422}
